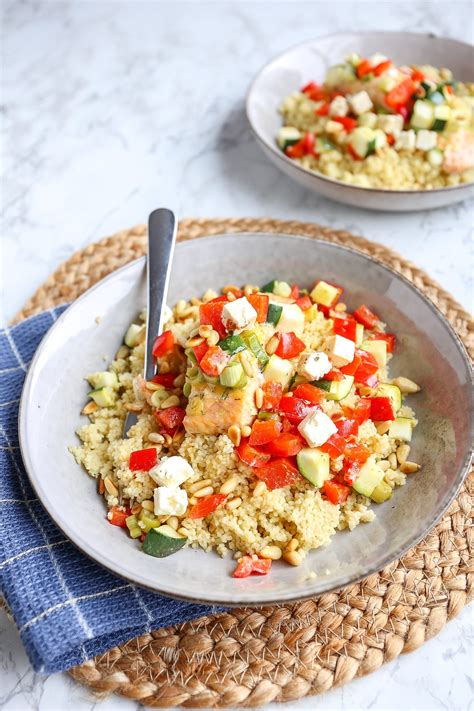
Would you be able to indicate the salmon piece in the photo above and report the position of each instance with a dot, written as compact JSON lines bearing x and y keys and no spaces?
{"x":212,"y":409}
{"x":459,"y":152}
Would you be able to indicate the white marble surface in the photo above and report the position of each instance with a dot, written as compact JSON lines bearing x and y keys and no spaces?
{"x":114,"y":108}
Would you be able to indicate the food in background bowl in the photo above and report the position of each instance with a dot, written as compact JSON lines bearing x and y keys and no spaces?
{"x":376,"y":125}
{"x":271,"y":423}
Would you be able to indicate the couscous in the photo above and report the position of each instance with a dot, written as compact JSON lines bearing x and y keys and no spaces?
{"x":271,"y":423}
{"x":376,"y":125}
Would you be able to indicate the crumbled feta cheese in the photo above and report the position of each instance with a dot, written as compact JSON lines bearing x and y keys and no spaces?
{"x":171,"y":471}
{"x":360,"y":102}
{"x":316,"y":428}
{"x":334,"y":127}
{"x":239,"y":313}
{"x":406,"y":141}
{"x":341,"y":350}
{"x":339,"y":106}
{"x":426,"y":140}
{"x":391,"y":123}
{"x":170,"y":501}
{"x":313,"y":365}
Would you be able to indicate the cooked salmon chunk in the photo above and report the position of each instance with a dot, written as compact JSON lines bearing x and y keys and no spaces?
{"x":212,"y":409}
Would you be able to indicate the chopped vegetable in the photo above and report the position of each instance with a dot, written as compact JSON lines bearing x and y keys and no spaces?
{"x":117,"y":516}
{"x":278,"y":473}
{"x":248,"y":565}
{"x":289,"y":346}
{"x":389,"y":339}
{"x":165,"y":379}
{"x":295,"y":409}
{"x":272,"y":393}
{"x":163,"y":541}
{"x":260,"y":303}
{"x":366,"y":317}
{"x":345,"y":327}
{"x":232,"y":345}
{"x":163,"y":344}
{"x":250,"y":455}
{"x":143,"y":459}
{"x":214,"y":361}
{"x":206,"y":505}
{"x":285,"y":444}
{"x":264,"y":432}
{"x":381,"y":409}
{"x":335,"y":493}
{"x":311,"y":393}
{"x":211,"y":314}
{"x":170,"y":417}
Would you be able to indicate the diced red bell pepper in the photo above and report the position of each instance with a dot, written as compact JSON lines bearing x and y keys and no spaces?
{"x":416,"y":75}
{"x":314,"y":91}
{"x":390,"y":139}
{"x":352,"y":151}
{"x":304,"y":302}
{"x":170,"y":417}
{"x":363,"y":68}
{"x":297,"y":150}
{"x":287,"y":426}
{"x":247,"y":565}
{"x":272,"y":393}
{"x":309,"y":392}
{"x":379,"y":69}
{"x":323,"y":110}
{"x":206,"y":505}
{"x":345,"y":327}
{"x":142,"y":459}
{"x":389,"y":339}
{"x":214,"y":361}
{"x":264,"y":431}
{"x":347,"y":122}
{"x":163,"y":344}
{"x":118,"y":517}
{"x":351,"y":368}
{"x":308,"y":143}
{"x":251,"y":456}
{"x":289,"y":346}
{"x":165,"y":379}
{"x":381,"y":409}
{"x":334,"y":375}
{"x":278,"y":473}
{"x":211,"y":314}
{"x":356,"y":453}
{"x":334,"y":446}
{"x":295,"y":292}
{"x":295,"y":409}
{"x":285,"y":445}
{"x":401,"y":94}
{"x":346,"y":427}
{"x":200,"y":351}
{"x":260,"y":304}
{"x":360,"y":413}
{"x":350,"y":471}
{"x":367,"y":369}
{"x":366,"y":317}
{"x":336,"y":493}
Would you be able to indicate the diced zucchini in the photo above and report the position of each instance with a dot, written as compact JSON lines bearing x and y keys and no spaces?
{"x":401,"y":428}
{"x":131,"y":335}
{"x":148,"y":520}
{"x":324,"y":293}
{"x":288,"y":136}
{"x":436,"y":97}
{"x":133,"y":527}
{"x":231,"y":375}
{"x":382,"y":492}
{"x":392,"y":392}
{"x":242,"y":382}
{"x":380,"y":138}
{"x":339,"y":74}
{"x":442,"y":114}
{"x":428,"y":85}
{"x":368,"y":119}
{"x":313,"y":465}
{"x":274,"y":313}
{"x":104,"y":379}
{"x":324,"y":144}
{"x":363,"y":141}
{"x":189,"y":353}
{"x":163,"y":541}
{"x":253,"y":343}
{"x":282,"y":288}
{"x":369,"y":478}
{"x":435,"y":157}
{"x":268,"y":288}
{"x":291,"y":319}
{"x":336,"y":389}
{"x":104,"y":397}
{"x":279,"y":370}
{"x":378,"y":349}
{"x":387,"y":83}
{"x":264,"y":415}
{"x":232,"y":345}
{"x":359,"y":334}
{"x":423,"y":114}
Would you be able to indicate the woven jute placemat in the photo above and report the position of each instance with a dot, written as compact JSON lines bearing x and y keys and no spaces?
{"x":249,"y":657}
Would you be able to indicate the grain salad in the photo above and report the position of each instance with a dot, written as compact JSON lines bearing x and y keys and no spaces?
{"x":272,"y":423}
{"x":377,"y":125}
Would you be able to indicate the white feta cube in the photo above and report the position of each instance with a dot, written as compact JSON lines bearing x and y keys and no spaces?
{"x":360,"y":102}
{"x":340,"y":350}
{"x":238,"y":314}
{"x":377,"y":58}
{"x":391,"y":123}
{"x":316,"y":428}
{"x":406,"y":141}
{"x":171,"y":471}
{"x":426,"y":140}
{"x":170,"y":501}
{"x":314,"y":365}
{"x":339,"y":106}
{"x":291,"y":319}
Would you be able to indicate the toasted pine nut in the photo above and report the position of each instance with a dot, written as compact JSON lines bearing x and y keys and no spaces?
{"x":178,"y":437}
{"x":272,"y":552}
{"x":246,"y":364}
{"x":154,"y":386}
{"x":168,"y":440}
{"x":110,"y":486}
{"x":340,"y":307}
{"x":410,"y":467}
{"x":260,"y":488}
{"x":233,"y":503}
{"x":248,"y":289}
{"x":234,"y":434}
{"x":173,"y":522}
{"x":403,"y":450}
{"x":246,"y":431}
{"x":288,"y":394}
{"x":406,"y":385}
{"x":229,"y":287}
{"x":292,"y":557}
{"x":171,"y":401}
{"x":148,"y":505}
{"x":183,"y":532}
{"x":272,"y":345}
{"x":101,"y":486}
{"x":199,"y":485}
{"x":140,"y":337}
{"x":178,"y":382}
{"x":157,"y":397}
{"x":205,"y":330}
{"x":134,"y":406}
{"x":258,"y":398}
{"x":156,"y":437}
{"x":393,"y":460}
{"x":205,"y":491}
{"x":195,"y":301}
{"x":292,"y":545}
{"x":213,"y":338}
{"x":123,"y":352}
{"x":382,"y":427}
{"x":229,"y":485}
{"x":384,"y":464}
{"x":193,"y":500}
{"x":196,"y":341}
{"x":231,"y":296}
{"x":136,"y":509}
{"x":180,"y":306}
{"x":90,"y":408}
{"x":164,"y":367}
{"x":209,"y":295}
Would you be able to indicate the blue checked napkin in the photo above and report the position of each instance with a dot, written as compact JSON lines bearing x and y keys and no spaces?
{"x":67,"y":608}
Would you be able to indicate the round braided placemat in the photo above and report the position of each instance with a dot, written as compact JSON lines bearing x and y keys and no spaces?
{"x":249,"y":657}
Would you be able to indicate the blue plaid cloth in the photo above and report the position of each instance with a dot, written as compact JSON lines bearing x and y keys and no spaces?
{"x":67,"y":608}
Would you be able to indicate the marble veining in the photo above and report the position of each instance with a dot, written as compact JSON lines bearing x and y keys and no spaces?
{"x":110,"y":109}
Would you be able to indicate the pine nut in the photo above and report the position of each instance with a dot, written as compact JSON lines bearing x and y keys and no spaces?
{"x":260,"y":488}
{"x":292,"y":545}
{"x":156,"y":437}
{"x":164,"y":367}
{"x":101,"y":486}
{"x":157,"y":397}
{"x":209,"y":295}
{"x":272,"y":552}
{"x":393,"y":460}
{"x":140,"y":337}
{"x":288,"y":394}
{"x":171,"y":401}
{"x":406,"y":385}
{"x":154,"y":386}
{"x":231,"y":296}
{"x":248,"y":289}
{"x":192,"y":342}
{"x":233,"y":503}
{"x":258,"y":398}
{"x":187,"y":389}
{"x":134,"y":406}
{"x":173,"y":522}
{"x":199,"y":485}
{"x":183,"y":532}
{"x":178,"y":438}
{"x":340,"y":307}
{"x":122,"y":353}
{"x":136,"y":509}
{"x":148,"y":505}
{"x":410,"y":467}
{"x":230,"y":287}
{"x":193,"y":500}
{"x":272,"y":345}
{"x":213,"y":338}
{"x":90,"y":408}
{"x":204,"y":330}
{"x":234,"y":435}
{"x":382,"y":427}
{"x":384,"y":464}
{"x":205,"y":491}
{"x":195,"y":301}
{"x":246,"y":431}
{"x":292,"y":557}
{"x":403,"y":450}
{"x":229,"y":485}
{"x":110,"y":486}
{"x":180,"y":306}
{"x":178,"y":382}
{"x":246,"y":364}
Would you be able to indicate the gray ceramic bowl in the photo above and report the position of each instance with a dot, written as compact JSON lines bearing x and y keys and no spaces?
{"x":310,"y":61}
{"x":428,"y":351}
